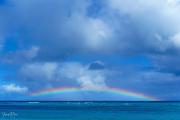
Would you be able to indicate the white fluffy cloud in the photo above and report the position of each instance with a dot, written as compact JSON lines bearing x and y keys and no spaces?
{"x":41,"y":71}
{"x":176,"y":39}
{"x":98,"y":35}
{"x":13,"y":88}
{"x":53,"y":74}
{"x":88,"y":79}
{"x":147,"y":19}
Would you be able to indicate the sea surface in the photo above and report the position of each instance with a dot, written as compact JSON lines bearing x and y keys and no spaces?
{"x":89,"y":110}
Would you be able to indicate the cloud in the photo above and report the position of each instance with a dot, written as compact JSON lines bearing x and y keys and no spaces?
{"x":20,"y":56}
{"x":60,"y":31}
{"x":87,"y":79}
{"x":57,"y":26}
{"x":144,"y":20}
{"x":50,"y":32}
{"x":13,"y":88}
{"x":40,"y":71}
{"x":150,"y":28}
{"x":176,"y":40}
{"x":98,"y":35}
{"x":58,"y":74}
{"x":167,"y":63}
{"x":97,"y":65}
{"x":160,"y":84}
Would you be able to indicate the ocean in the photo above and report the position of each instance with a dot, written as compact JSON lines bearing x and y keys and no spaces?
{"x":90,"y":110}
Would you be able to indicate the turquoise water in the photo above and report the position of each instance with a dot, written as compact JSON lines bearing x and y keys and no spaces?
{"x":89,"y":111}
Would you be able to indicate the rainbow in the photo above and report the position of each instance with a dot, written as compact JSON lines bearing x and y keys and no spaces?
{"x":118,"y":91}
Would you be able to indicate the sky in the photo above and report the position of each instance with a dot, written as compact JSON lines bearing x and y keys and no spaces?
{"x":90,"y":45}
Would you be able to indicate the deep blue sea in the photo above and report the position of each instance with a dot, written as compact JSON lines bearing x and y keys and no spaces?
{"x":90,"y":110}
